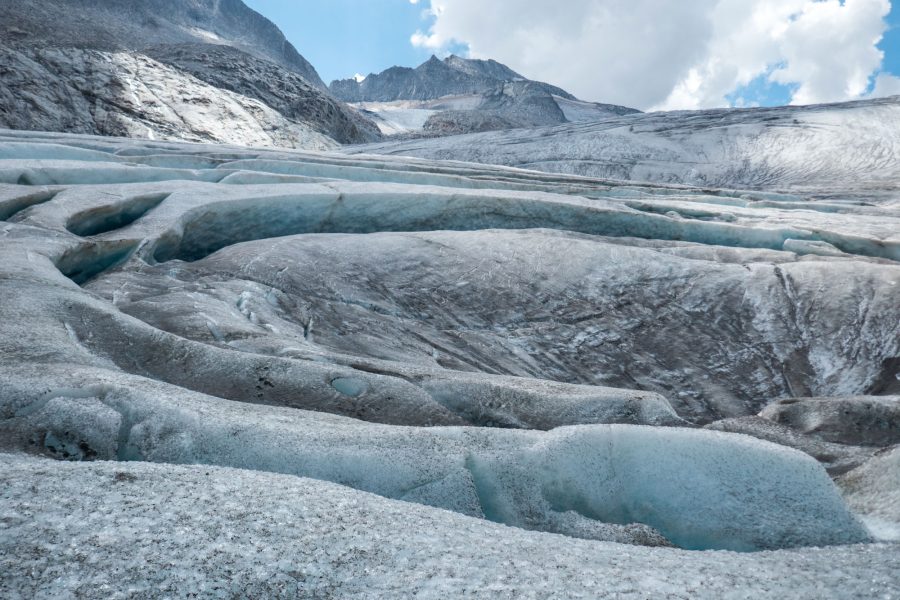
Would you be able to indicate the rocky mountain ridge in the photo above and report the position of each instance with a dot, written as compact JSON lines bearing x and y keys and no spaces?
{"x":458,"y":95}
{"x":195,"y":70}
{"x":435,"y":78}
{"x":136,"y":25}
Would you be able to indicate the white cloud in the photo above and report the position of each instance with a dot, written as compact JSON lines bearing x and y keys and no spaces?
{"x":671,"y":54}
{"x":886,"y":85}
{"x":829,"y":49}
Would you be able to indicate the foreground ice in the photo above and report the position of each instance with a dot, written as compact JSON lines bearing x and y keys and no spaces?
{"x":874,"y":490}
{"x":393,"y":325}
{"x":699,"y":489}
{"x":142,"y":530}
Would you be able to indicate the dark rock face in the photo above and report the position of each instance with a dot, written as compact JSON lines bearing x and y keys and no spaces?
{"x":231,"y":69}
{"x":132,"y":95}
{"x":511,"y":105}
{"x":135,"y":25}
{"x":196,"y":70}
{"x":502,"y":98}
{"x":434,"y":79}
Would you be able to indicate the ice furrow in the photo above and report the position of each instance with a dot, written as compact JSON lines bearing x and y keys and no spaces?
{"x":533,"y":357}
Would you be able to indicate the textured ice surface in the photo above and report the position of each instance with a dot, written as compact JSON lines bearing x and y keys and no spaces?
{"x":874,"y":491}
{"x":699,"y":489}
{"x":393,"y":325}
{"x":429,"y":302}
{"x":836,"y":151}
{"x":864,"y":421}
{"x":836,"y":458}
{"x":142,"y":530}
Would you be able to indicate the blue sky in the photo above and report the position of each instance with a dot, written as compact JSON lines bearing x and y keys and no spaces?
{"x":891,"y":42}
{"x":344,"y":37}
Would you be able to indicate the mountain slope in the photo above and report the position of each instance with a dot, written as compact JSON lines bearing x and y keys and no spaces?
{"x":230,"y":68}
{"x":132,"y":95}
{"x":136,"y":25}
{"x":459,"y":95}
{"x":70,"y":66}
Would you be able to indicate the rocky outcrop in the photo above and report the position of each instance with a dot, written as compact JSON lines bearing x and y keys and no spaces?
{"x":479,"y":95}
{"x":231,"y":69}
{"x":135,"y":25}
{"x":196,"y":70}
{"x":132,"y":95}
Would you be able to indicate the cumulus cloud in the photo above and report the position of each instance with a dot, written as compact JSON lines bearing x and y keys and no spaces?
{"x":886,"y":85}
{"x":671,"y":54}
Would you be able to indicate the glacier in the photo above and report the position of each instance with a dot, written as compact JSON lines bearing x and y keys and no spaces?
{"x":475,"y":379}
{"x":303,"y":537}
{"x":841,"y":152}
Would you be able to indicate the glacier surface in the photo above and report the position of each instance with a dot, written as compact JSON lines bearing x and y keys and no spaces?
{"x":840,"y":152}
{"x":304,"y":341}
{"x":275,"y":536}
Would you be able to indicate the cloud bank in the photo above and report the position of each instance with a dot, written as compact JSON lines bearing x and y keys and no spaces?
{"x":669,"y":54}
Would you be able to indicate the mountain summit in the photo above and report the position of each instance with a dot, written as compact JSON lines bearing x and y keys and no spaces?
{"x":434,"y":79}
{"x":460,"y":95}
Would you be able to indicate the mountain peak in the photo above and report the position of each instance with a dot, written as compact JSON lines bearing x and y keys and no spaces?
{"x":435,"y":78}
